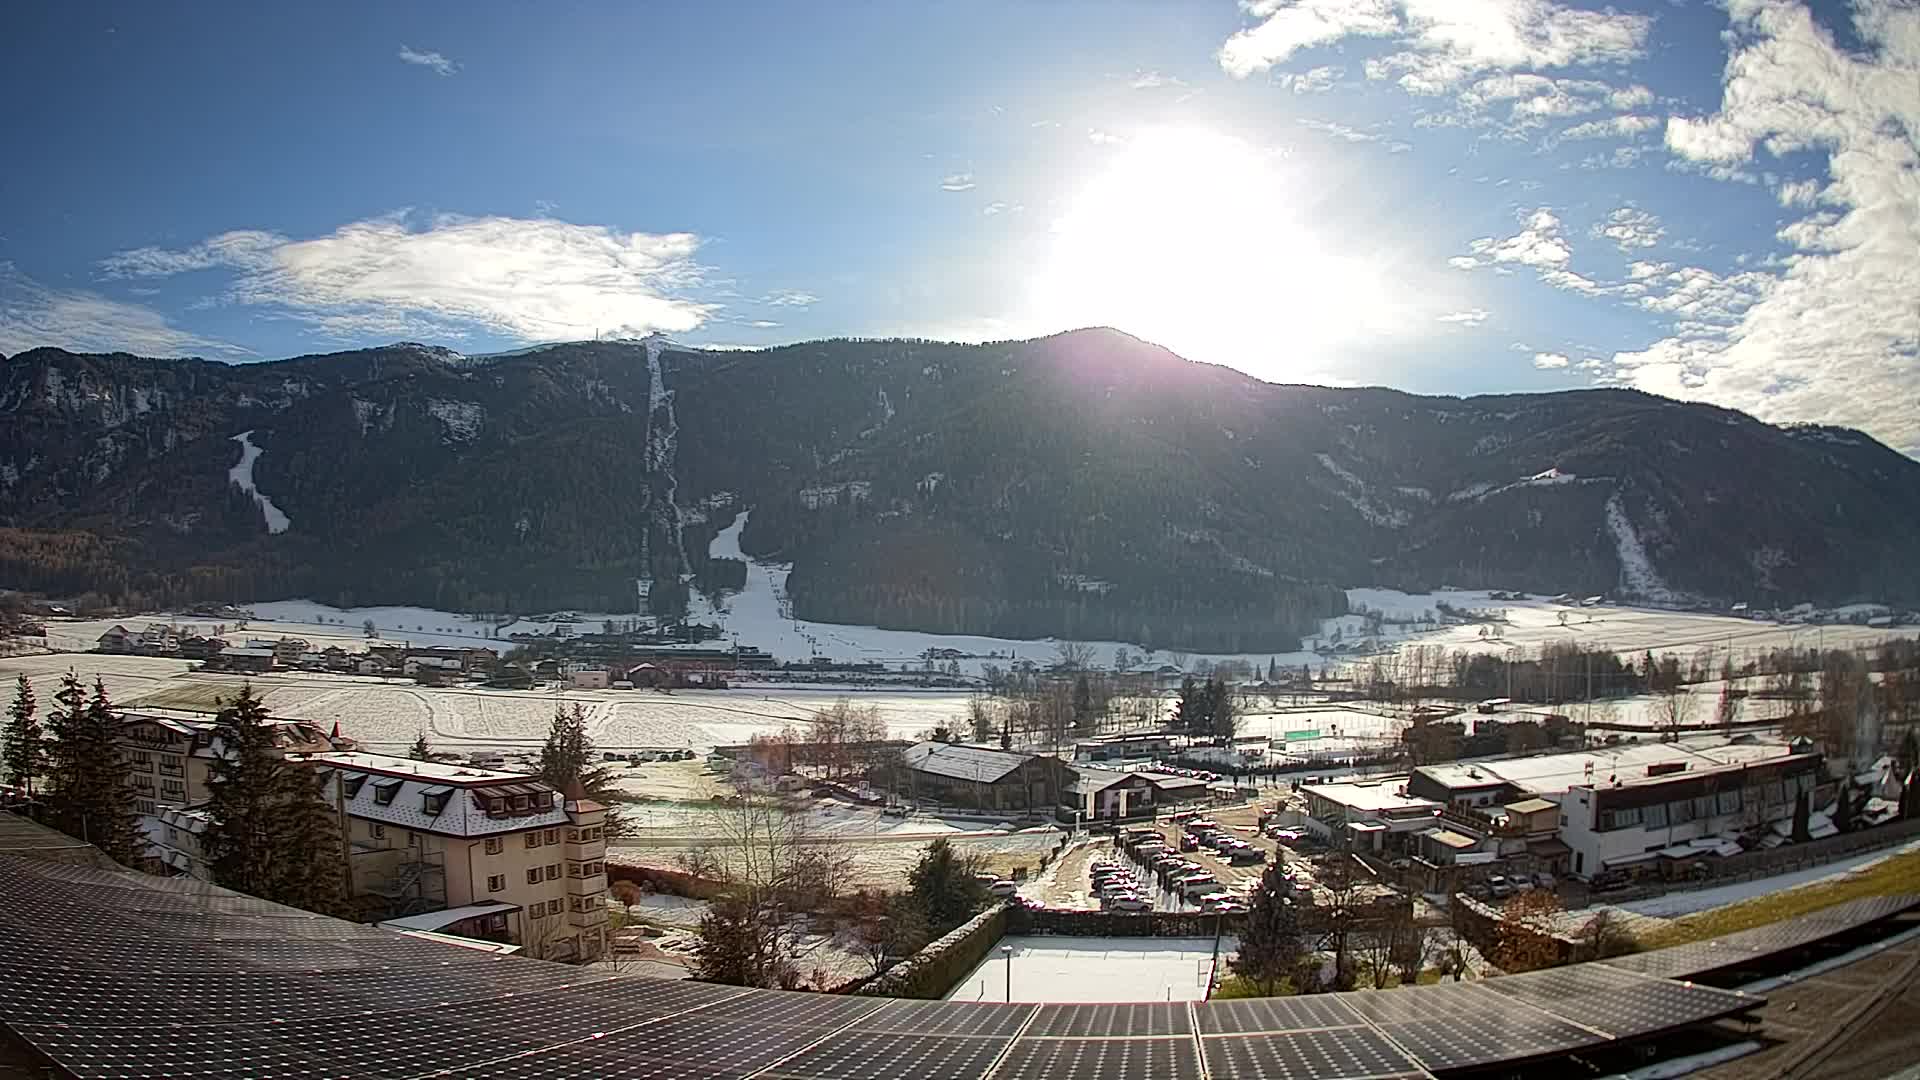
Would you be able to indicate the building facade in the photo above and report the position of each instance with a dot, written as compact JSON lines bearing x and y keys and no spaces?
{"x":500,"y":854}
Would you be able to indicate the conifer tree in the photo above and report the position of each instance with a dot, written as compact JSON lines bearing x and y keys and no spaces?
{"x":244,"y":786}
{"x":568,"y":758}
{"x":420,"y":751}
{"x":86,"y":783}
{"x":25,"y":753}
{"x":309,"y":857}
{"x":1270,"y":945}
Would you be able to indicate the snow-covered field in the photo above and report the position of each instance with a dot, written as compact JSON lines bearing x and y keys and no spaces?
{"x":1086,"y":969}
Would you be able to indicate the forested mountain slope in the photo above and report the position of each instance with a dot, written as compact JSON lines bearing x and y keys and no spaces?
{"x":1085,"y":485}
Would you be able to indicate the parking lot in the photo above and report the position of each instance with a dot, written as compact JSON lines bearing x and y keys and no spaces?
{"x":1141,"y":885}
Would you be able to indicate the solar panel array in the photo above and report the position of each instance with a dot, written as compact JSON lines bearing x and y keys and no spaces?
{"x":116,"y":974}
{"x":1762,"y":942}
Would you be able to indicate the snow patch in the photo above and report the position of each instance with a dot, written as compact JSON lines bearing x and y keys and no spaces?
{"x":1416,"y":492}
{"x":1334,"y":468}
{"x":364,"y":412}
{"x":460,"y":420}
{"x":242,"y":474}
{"x":1637,"y":575}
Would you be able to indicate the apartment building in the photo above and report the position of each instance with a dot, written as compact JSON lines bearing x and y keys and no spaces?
{"x":487,"y":853}
{"x":450,"y":848}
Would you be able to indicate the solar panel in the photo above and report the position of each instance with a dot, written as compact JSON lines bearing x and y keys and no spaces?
{"x":1099,"y":1021}
{"x":1247,"y":1015}
{"x":1329,"y":1054}
{"x":1101,"y":1059}
{"x":1621,"y":1004}
{"x":946,"y":1018}
{"x":1465,"y":1025}
{"x":133,"y":1052}
{"x":867,"y":1055}
{"x":1682,"y":961}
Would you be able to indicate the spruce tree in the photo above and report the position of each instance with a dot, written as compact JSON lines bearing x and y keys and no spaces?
{"x":25,"y":753}
{"x":420,"y":751}
{"x":309,"y":854}
{"x":1270,"y":945}
{"x":568,"y":758}
{"x":86,"y":782}
{"x":243,"y":787}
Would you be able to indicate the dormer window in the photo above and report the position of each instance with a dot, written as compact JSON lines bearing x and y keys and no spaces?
{"x":384,"y":791}
{"x":520,"y":804}
{"x":352,"y":783}
{"x":434,"y":800}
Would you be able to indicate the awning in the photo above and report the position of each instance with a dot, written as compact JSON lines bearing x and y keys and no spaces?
{"x":1548,"y":849}
{"x":435,"y":920}
{"x":1632,"y":860}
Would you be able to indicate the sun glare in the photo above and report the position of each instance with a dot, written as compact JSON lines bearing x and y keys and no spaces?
{"x":1206,"y":244}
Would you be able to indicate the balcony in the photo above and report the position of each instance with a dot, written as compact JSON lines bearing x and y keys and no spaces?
{"x":588,"y":920}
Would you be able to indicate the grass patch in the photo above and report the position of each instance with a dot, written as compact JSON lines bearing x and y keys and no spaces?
{"x":195,"y":696}
{"x":1233,"y":986}
{"x":1895,"y":874}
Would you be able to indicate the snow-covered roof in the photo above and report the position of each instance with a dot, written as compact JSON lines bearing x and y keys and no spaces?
{"x":1553,"y":774}
{"x":1372,"y":796}
{"x":975,"y":763}
{"x":451,"y":800}
{"x":434,"y":920}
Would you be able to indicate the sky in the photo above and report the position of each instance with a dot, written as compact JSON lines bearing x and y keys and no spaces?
{"x":1711,"y":201}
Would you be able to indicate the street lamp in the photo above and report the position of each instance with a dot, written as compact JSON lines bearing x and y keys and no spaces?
{"x":1006,"y":951}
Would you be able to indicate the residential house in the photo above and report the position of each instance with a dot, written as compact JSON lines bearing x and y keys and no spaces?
{"x":117,"y":640}
{"x":1368,"y":815}
{"x":288,"y":650}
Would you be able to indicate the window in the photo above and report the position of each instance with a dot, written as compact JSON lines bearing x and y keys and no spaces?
{"x":575,"y":836}
{"x":494,"y":845}
{"x":433,"y":802}
{"x":574,"y":869}
{"x":553,"y":836}
{"x":352,"y":783}
{"x":384,"y":791}
{"x":1680,"y":811}
{"x":1703,"y":806}
{"x":1730,"y":801}
{"x":142,"y":761}
{"x":496,"y":882}
{"x":533,"y":840}
{"x":533,"y":876}
{"x":1655,"y":816}
{"x":377,"y":830}
{"x":536,"y":911}
{"x":142,"y":806}
{"x":413,"y":838}
{"x":553,"y":871}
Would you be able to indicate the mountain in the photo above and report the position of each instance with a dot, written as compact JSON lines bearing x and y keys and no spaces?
{"x":1084,"y":485}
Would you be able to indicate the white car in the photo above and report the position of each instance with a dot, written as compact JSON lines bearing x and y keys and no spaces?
{"x":1003,"y":888}
{"x":1128,"y":902}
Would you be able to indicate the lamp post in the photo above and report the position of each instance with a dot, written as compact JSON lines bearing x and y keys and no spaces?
{"x":1006,"y":952}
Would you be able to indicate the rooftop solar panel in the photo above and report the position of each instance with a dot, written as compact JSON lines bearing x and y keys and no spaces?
{"x":1348,"y":1053}
{"x":869,"y":1055}
{"x":946,"y":1018}
{"x":1249,"y":1015}
{"x":1621,"y":1004}
{"x":1101,"y":1021}
{"x":1101,"y":1059}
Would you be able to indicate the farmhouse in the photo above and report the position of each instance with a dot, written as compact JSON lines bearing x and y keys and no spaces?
{"x":972,"y":776}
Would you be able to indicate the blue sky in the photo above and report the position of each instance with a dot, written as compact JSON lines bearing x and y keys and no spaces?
{"x":1713,"y":201}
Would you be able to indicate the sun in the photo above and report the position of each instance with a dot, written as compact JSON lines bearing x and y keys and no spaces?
{"x":1208,"y":245}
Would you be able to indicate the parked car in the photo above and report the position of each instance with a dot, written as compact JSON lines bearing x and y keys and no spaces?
{"x":1129,"y":902}
{"x":1003,"y":888}
{"x":1498,"y":887}
{"x":1247,"y":855}
{"x":1194,"y":888}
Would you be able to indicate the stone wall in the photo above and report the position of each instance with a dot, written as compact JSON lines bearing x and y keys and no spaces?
{"x":940,"y":965}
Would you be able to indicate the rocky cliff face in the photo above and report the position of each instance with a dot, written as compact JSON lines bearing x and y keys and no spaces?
{"x":1085,"y":485}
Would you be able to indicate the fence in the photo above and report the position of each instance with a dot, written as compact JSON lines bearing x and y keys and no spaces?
{"x":1183,"y":924}
{"x":1782,"y":860}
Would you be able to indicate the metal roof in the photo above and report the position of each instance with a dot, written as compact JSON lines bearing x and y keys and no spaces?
{"x":975,"y":763}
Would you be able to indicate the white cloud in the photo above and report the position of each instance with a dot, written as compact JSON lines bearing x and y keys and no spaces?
{"x":763,"y":324}
{"x":533,"y":279}
{"x":1152,"y":80}
{"x":1798,"y":192}
{"x":1470,"y":317}
{"x":789,"y":298}
{"x":1104,"y":138}
{"x":1630,"y":228}
{"x":992,"y":208}
{"x":1547,"y":361}
{"x":1538,"y":245}
{"x":1630,"y":97}
{"x":1616,"y":127}
{"x":1834,"y":336}
{"x":440,"y":64}
{"x":33,"y":315}
{"x":1463,"y":262}
{"x":1286,"y":28}
{"x":1339,"y":130}
{"x":957,"y":182}
{"x":1313,"y":81}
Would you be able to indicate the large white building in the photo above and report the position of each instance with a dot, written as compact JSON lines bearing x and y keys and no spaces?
{"x":452,"y":848}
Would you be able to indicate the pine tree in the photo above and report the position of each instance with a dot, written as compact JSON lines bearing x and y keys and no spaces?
{"x":568,"y":758}
{"x":420,"y":751}
{"x":86,"y":782}
{"x":25,"y":753}
{"x":1270,"y":945}
{"x":243,"y":787}
{"x":309,"y":860}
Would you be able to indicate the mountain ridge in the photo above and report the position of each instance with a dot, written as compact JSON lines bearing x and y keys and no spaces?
{"x":1084,"y":484}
